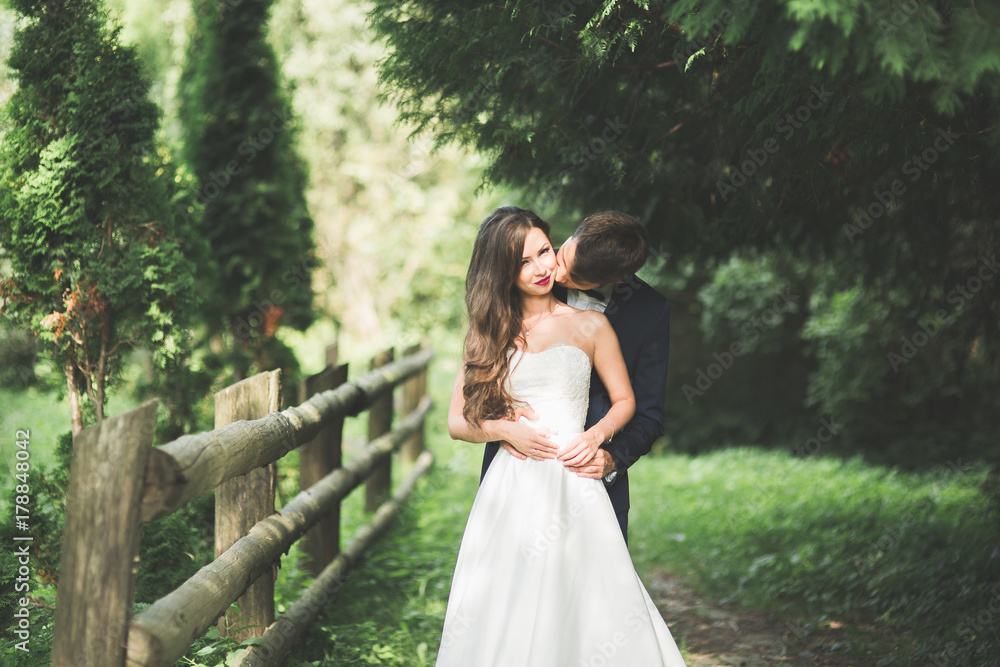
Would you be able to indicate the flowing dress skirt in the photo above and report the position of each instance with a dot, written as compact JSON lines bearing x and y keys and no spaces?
{"x":544,"y":578}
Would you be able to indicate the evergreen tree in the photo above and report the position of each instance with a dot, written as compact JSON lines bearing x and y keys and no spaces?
{"x":94,"y":259}
{"x":860,"y":139}
{"x":250,"y":206}
{"x":728,"y":124}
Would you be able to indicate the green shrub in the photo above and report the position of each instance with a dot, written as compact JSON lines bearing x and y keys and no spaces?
{"x":49,"y":497}
{"x":18,"y":352}
{"x":716,"y":398}
{"x":174,"y":548}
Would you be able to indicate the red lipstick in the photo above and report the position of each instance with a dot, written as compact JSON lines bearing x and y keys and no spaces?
{"x":544,"y":281}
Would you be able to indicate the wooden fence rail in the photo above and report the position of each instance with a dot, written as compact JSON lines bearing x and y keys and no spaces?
{"x":118,"y":481}
{"x":193,"y":465}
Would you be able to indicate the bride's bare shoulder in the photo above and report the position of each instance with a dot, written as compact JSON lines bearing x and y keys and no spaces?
{"x":589,"y":322}
{"x":590,"y":315}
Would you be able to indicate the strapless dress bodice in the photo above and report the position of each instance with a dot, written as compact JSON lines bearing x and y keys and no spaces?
{"x":556,"y":384}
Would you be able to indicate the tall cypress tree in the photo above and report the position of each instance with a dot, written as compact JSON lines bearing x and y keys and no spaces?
{"x":95,"y":261}
{"x":251,"y":204}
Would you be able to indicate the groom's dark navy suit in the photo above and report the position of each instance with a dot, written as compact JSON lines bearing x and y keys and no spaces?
{"x":640,"y":317}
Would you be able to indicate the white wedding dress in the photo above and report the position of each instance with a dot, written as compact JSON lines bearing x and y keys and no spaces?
{"x":544,"y":578}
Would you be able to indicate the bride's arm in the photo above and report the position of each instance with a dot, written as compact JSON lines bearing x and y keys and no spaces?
{"x":611,"y":368}
{"x":527,"y":440}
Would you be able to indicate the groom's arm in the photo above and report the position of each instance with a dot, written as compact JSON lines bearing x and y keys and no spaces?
{"x":650,"y":387}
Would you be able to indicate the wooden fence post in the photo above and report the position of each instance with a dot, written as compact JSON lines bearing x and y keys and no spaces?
{"x":101,"y":539}
{"x":413,"y":390}
{"x":379,"y":483}
{"x":243,"y":501}
{"x":316,"y":460}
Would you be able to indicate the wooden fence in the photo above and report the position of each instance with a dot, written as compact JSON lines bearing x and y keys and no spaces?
{"x":118,"y":480}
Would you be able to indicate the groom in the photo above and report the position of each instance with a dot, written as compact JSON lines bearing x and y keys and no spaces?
{"x":595,"y":270}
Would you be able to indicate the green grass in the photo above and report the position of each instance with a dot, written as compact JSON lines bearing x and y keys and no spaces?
{"x":818,"y":540}
{"x":42,"y":413}
{"x":46,"y":417}
{"x":390,"y":609}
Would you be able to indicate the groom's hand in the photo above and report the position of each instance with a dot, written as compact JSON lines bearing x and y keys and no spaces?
{"x":597,"y":468}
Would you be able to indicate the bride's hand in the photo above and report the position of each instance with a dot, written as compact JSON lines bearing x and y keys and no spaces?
{"x":528,"y":442}
{"x":581,"y":449}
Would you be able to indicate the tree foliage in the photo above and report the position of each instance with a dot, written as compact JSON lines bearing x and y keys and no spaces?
{"x":729,"y":124}
{"x":94,"y":257}
{"x":856,"y":140}
{"x":395,"y":220}
{"x":250,"y":204}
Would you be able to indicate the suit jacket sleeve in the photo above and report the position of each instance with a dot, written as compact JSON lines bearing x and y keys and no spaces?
{"x":650,"y":387}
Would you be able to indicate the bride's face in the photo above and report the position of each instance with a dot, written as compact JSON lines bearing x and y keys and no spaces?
{"x":538,"y":263}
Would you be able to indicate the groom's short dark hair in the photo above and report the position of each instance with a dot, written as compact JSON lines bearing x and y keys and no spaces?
{"x":610,"y":247}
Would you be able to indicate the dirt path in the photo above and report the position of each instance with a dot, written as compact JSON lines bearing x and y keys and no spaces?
{"x":726,"y":636}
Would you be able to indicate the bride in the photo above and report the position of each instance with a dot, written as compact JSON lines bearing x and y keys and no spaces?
{"x":543,"y":576}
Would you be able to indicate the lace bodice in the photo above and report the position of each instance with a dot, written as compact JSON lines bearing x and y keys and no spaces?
{"x":556,"y":384}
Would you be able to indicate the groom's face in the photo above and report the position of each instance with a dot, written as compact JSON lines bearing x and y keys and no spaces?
{"x":564,"y":264}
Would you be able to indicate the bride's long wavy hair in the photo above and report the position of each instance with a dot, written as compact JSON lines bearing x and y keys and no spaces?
{"x":495,"y":311}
